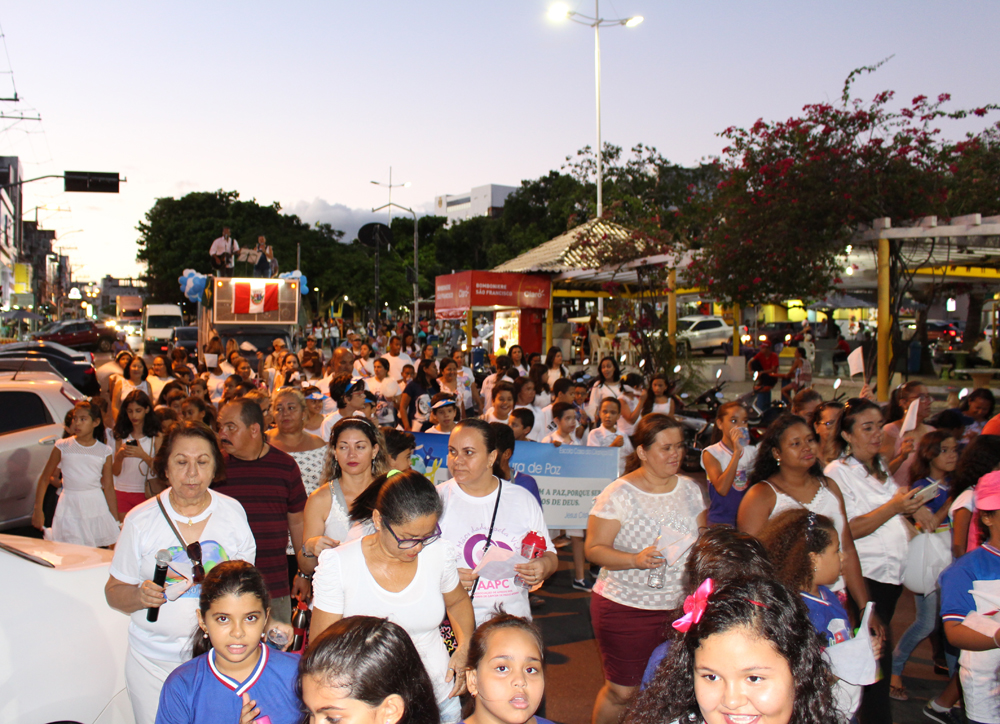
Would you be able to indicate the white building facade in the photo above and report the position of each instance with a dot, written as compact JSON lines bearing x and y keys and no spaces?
{"x":485,"y":200}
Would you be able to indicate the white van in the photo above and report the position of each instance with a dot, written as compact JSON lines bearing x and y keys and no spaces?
{"x":158,"y":323}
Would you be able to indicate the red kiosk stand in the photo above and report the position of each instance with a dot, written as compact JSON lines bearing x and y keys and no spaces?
{"x":522,"y":304}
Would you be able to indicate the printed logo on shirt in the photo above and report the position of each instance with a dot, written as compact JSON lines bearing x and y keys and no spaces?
{"x":212,"y":554}
{"x":473,"y":551}
{"x":837,"y":631}
{"x":740,"y":483}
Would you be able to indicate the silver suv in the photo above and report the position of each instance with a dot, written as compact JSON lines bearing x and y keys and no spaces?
{"x":32,"y":408}
{"x":699,"y":332}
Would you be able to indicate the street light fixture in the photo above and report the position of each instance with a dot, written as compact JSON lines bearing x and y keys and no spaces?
{"x":560,"y":11}
{"x":416,"y":241}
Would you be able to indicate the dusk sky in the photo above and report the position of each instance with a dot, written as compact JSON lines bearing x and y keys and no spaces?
{"x":305,"y":103}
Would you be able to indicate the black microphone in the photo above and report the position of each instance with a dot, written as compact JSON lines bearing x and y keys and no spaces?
{"x":159,"y":578}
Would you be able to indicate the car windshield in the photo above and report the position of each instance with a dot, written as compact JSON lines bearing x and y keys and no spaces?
{"x":50,"y":327}
{"x":683,"y":324}
{"x":163,"y":322}
{"x":186,"y":333}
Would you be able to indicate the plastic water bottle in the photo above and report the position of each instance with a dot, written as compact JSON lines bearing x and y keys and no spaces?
{"x":657,"y":576}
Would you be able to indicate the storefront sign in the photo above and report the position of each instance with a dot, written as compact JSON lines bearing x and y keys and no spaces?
{"x":456,"y":294}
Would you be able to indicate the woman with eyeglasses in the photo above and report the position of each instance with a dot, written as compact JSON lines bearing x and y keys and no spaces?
{"x":196,"y":528}
{"x":401,"y":572}
{"x":899,"y":450}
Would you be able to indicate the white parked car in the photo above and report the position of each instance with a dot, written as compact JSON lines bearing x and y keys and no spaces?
{"x":158,"y":323}
{"x":33,"y":405}
{"x":62,"y":648}
{"x":700,"y":332}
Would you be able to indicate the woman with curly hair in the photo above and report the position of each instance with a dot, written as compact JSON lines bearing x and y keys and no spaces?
{"x":749,"y":652}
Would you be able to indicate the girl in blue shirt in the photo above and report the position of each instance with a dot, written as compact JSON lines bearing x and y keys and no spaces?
{"x":233,"y":677}
{"x":805,"y":551}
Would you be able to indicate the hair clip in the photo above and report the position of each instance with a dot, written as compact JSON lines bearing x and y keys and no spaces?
{"x":755,"y":603}
{"x":694,"y":606}
{"x":392,"y":472}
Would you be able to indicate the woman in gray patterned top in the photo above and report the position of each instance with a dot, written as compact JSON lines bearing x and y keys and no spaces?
{"x":640,"y":530}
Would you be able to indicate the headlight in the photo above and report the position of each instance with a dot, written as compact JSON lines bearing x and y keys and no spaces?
{"x":788,"y":338}
{"x":762,"y":338}
{"x":745,"y":339}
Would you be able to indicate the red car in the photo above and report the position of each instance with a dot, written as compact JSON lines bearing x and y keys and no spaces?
{"x":79,"y":334}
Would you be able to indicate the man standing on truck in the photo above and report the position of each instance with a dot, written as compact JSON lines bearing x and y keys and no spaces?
{"x":223,"y":253}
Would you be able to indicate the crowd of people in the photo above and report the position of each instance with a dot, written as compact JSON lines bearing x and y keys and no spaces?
{"x":260,"y":488}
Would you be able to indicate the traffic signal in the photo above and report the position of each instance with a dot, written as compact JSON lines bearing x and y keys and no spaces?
{"x":91,"y":181}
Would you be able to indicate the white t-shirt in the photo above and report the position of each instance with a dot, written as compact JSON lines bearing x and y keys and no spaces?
{"x":602,"y":437}
{"x":226,"y":537}
{"x":642,"y":515}
{"x":597,"y":393}
{"x":216,"y":386}
{"x":466,"y":523}
{"x":664,"y":408}
{"x":396,"y":364}
{"x":132,"y":478}
{"x":624,"y":426}
{"x":883,"y":552}
{"x":720,"y":452}
{"x":343,"y":584}
{"x":537,"y":431}
{"x":572,"y":439}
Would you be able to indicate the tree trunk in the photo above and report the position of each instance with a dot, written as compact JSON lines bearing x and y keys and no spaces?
{"x":973,"y":320}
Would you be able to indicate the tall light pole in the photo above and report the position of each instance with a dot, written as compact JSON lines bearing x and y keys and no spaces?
{"x":560,"y":11}
{"x":390,"y":186}
{"x":416,"y":263}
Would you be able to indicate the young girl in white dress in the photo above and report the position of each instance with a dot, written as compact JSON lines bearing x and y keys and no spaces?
{"x":87,"y":513}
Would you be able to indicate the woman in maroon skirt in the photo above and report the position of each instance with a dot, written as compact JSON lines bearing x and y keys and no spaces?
{"x":640,"y":530}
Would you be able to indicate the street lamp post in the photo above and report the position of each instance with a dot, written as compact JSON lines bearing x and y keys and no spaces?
{"x":416,"y":267}
{"x":561,"y":12}
{"x":390,"y":186}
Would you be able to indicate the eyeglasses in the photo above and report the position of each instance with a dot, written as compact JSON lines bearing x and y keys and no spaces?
{"x":407,"y":543}
{"x":194,"y":553}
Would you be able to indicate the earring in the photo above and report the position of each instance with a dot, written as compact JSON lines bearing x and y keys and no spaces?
{"x":204,"y":634}
{"x":847,"y":450}
{"x":778,"y":460}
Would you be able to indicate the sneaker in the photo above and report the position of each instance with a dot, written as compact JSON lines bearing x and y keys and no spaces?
{"x":941,"y":717}
{"x":582,"y":584}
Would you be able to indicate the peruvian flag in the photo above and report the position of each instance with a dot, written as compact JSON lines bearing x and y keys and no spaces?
{"x":255,"y":297}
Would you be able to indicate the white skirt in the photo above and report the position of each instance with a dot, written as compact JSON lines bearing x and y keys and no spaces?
{"x":83,"y":517}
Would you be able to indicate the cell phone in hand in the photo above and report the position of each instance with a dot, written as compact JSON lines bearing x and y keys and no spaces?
{"x":131,"y":442}
{"x":928,"y":493}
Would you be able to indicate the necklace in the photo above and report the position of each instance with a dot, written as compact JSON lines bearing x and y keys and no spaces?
{"x":192,"y":520}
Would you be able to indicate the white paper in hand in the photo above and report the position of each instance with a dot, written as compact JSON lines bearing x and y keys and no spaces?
{"x":247,"y":347}
{"x":498,"y":564}
{"x":910,"y":422}
{"x":673,"y":544}
{"x":854,"y":660}
{"x":856,"y":362}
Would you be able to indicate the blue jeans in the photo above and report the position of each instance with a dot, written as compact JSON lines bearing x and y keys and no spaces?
{"x":921,"y":628}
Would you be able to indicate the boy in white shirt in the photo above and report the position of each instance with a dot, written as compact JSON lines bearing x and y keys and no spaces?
{"x":522,"y":422}
{"x":607,"y":434}
{"x":564,"y":415}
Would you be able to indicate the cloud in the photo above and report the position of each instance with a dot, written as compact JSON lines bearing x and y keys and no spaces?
{"x":338,"y":216}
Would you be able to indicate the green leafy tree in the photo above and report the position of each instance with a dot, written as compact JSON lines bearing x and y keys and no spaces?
{"x":176,"y":234}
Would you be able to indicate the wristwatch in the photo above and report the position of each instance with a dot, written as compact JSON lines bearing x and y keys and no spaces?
{"x":306,"y":553}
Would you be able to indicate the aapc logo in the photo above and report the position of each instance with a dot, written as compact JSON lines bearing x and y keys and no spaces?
{"x":473,"y":556}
